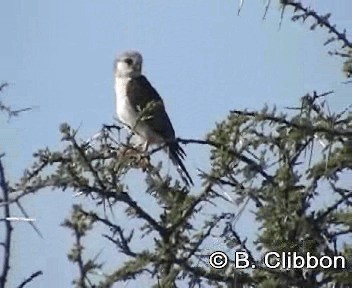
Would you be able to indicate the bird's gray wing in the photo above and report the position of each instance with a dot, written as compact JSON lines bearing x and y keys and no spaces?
{"x":141,"y":93}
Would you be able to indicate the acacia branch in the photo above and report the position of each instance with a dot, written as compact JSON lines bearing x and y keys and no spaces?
{"x":290,"y":124}
{"x":258,"y":168}
{"x":80,"y":263}
{"x":321,"y":20}
{"x":123,"y":242}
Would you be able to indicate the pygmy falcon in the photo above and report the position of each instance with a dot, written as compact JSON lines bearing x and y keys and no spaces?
{"x":141,"y":109}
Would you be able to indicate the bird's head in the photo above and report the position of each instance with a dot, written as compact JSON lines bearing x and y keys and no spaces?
{"x":128,"y":64}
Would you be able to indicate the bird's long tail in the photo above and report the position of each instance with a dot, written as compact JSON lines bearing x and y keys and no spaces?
{"x":177,"y":154}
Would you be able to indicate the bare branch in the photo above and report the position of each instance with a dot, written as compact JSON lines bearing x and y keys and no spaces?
{"x":8,"y":228}
{"x":30,"y":278}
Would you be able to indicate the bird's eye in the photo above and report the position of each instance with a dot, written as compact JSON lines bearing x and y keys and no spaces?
{"x":129,"y":61}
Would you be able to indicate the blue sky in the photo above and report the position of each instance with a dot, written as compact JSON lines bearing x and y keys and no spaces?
{"x":203,"y":59}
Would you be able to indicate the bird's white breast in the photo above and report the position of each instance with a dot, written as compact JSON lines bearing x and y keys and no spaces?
{"x":128,"y":115}
{"x":125,"y":111}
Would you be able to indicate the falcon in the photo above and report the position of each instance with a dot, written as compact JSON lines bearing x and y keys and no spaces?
{"x":140,"y":108}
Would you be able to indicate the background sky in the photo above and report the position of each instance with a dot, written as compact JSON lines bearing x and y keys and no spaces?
{"x":202,"y":57}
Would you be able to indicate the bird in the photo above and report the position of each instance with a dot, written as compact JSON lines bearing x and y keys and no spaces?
{"x":141,"y":109}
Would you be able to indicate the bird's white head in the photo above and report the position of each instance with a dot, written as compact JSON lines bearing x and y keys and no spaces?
{"x":128,"y":64}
